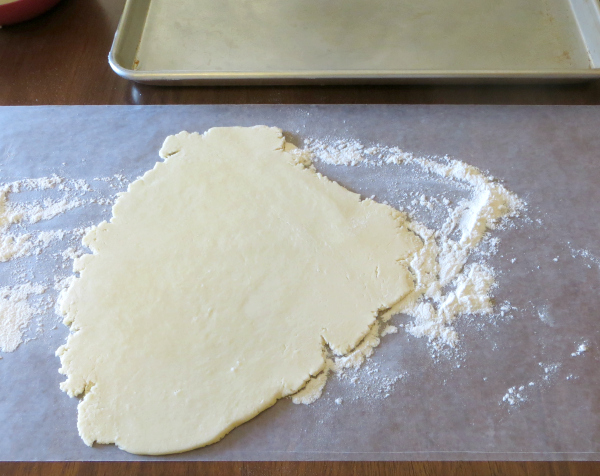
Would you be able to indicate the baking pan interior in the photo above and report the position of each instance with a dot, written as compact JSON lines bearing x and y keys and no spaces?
{"x":275,"y":35}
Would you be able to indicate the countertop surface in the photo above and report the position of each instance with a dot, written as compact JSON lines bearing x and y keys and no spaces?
{"x":60,"y":58}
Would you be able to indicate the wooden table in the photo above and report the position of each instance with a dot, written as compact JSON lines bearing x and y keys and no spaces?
{"x":61,"y":58}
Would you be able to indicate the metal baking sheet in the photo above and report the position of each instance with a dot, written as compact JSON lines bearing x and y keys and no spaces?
{"x":191,"y":42}
{"x":438,"y":411}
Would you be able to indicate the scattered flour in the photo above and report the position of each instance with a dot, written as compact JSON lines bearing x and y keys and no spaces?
{"x":18,"y":213}
{"x":11,"y":246}
{"x":519,"y":394}
{"x":71,"y":253}
{"x":580,"y":350}
{"x":585,"y":254}
{"x":15,"y":313}
{"x":371,"y":381}
{"x":550,"y":369}
{"x":18,"y":304}
{"x":515,"y":395}
{"x":48,"y":208}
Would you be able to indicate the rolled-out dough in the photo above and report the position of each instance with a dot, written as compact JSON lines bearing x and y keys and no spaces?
{"x":215,"y":289}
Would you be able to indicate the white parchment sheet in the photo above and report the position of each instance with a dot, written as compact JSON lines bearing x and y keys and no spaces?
{"x":449,"y":407}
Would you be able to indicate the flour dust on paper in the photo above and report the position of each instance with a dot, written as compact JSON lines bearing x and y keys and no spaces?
{"x":36,"y":252}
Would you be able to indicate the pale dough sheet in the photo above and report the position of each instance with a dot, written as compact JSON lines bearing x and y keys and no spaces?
{"x":215,"y":289}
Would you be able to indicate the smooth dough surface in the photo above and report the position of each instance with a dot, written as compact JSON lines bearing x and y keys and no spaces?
{"x":224,"y":273}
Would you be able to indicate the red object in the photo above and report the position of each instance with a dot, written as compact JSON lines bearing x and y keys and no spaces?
{"x":21,"y":10}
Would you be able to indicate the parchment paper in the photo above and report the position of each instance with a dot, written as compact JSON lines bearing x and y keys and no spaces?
{"x":442,"y":409}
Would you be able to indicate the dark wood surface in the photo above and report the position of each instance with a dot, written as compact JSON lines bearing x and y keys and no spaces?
{"x":61,"y":58}
{"x":302,"y":469}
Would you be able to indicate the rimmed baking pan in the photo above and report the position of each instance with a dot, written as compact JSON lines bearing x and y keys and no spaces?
{"x":192,"y":42}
